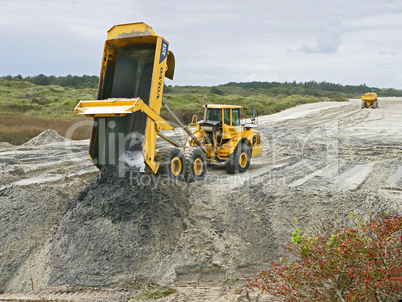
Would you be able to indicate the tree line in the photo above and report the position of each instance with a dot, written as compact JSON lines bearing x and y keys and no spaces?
{"x":313,"y":88}
{"x":84,"y":81}
{"x":318,"y":89}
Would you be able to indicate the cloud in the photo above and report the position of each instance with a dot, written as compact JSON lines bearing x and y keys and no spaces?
{"x":328,"y":41}
{"x":214,"y":41}
{"x":387,"y":53}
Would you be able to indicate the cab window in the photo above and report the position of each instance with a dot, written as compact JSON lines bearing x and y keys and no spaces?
{"x":214,"y":114}
{"x":236,"y":117}
{"x":226,"y":116}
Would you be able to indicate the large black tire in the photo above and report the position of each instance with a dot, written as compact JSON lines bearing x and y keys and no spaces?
{"x":375,"y":105}
{"x":239,"y":160}
{"x":363,"y":104}
{"x":196,"y":165}
{"x":172,"y":162}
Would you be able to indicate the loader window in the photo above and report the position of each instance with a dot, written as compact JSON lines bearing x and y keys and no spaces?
{"x":236,"y":117}
{"x":226,"y":116}
{"x":214,"y":114}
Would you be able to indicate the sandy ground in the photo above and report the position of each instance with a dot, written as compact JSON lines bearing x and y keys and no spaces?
{"x":321,"y":147}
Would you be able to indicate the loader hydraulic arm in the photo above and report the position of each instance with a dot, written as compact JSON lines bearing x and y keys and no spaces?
{"x":185,"y":128}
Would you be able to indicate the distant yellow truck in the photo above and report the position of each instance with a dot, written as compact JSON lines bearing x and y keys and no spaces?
{"x":370,"y":99}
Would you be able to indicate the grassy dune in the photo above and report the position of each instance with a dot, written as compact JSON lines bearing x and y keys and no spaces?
{"x":30,"y":100}
{"x":186,"y":105}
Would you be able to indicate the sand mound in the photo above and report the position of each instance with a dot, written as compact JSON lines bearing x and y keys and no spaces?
{"x":45,"y":138}
{"x":5,"y":145}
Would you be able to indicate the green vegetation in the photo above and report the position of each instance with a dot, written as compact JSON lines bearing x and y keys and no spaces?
{"x":50,"y":101}
{"x":185,"y":105}
{"x":313,"y":88}
{"x":230,"y":279}
{"x":156,"y":294}
{"x":31,"y":105}
{"x":84,"y":81}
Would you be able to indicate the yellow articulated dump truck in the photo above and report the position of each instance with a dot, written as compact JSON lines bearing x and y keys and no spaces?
{"x":127,"y":117}
{"x":370,"y":99}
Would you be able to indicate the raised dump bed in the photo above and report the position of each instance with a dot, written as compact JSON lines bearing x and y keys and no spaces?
{"x":134,"y":64}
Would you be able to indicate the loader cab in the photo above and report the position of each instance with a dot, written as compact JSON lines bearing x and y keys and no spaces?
{"x":220,"y":122}
{"x":222,"y":115}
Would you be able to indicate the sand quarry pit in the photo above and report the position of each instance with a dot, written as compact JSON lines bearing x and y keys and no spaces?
{"x":71,"y":233}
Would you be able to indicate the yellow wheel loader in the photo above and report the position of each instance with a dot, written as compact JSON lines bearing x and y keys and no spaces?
{"x":127,"y":117}
{"x":370,"y":99}
{"x":227,"y":137}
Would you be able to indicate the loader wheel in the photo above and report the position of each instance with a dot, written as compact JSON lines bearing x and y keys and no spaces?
{"x":239,"y":160}
{"x":172,"y":162}
{"x":196,"y":165}
{"x":375,"y":104}
{"x":363,"y":105}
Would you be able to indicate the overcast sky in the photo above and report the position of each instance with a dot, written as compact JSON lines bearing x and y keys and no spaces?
{"x":214,"y":41}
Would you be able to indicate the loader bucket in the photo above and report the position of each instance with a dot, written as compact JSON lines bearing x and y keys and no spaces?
{"x":134,"y":64}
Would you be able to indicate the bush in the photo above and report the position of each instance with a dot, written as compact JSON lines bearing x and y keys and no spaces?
{"x":340,"y":263}
{"x":216,"y":90}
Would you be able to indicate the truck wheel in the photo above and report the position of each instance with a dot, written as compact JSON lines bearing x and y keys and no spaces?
{"x":172,"y":162}
{"x":239,"y":160}
{"x":363,"y":104}
{"x":196,"y":165}
{"x":376,"y":104}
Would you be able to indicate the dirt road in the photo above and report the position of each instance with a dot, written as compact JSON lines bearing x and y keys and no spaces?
{"x":316,"y":156}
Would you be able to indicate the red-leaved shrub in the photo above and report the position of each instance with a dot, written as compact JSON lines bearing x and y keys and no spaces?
{"x":340,"y":263}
